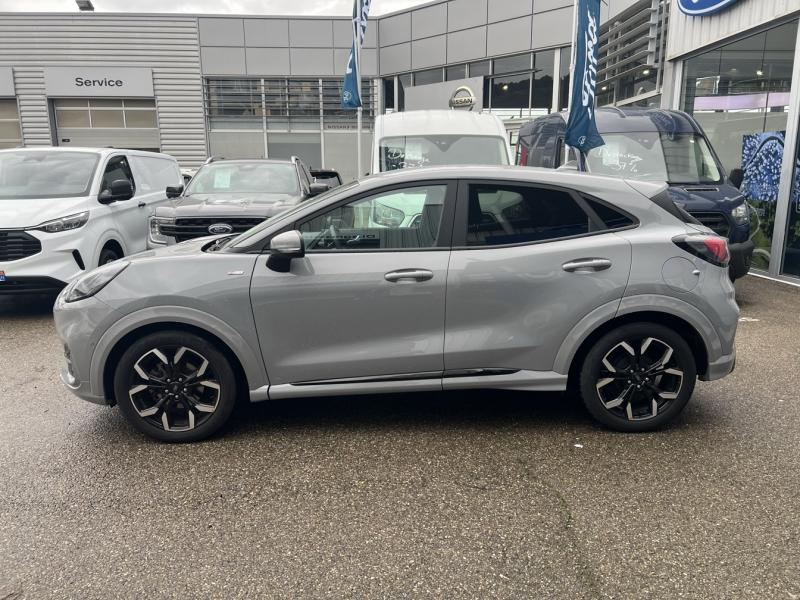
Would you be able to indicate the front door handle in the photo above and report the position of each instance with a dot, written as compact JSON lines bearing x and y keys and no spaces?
{"x":142,"y":204}
{"x":586,"y":265}
{"x":408,"y":275}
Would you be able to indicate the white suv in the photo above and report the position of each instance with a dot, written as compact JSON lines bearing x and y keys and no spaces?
{"x":66,"y":211}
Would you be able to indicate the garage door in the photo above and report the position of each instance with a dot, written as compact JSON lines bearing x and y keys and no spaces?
{"x":10,"y":136}
{"x":102,"y":122}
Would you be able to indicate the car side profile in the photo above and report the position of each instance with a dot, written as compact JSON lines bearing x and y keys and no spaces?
{"x":65,"y":211}
{"x":511,"y":278}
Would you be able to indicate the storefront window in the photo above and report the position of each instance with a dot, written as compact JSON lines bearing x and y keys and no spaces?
{"x":563,"y":77}
{"x":512,"y":92}
{"x":739,"y":93}
{"x":791,"y":257}
{"x":455,"y":72}
{"x":429,"y":76}
{"x":543,"y":81}
{"x":388,"y":94}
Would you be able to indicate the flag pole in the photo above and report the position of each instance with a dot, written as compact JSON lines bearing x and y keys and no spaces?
{"x":572,"y":63}
{"x":358,"y":146}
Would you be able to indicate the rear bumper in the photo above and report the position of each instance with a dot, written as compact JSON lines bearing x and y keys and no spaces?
{"x":30,"y":285}
{"x":721,"y":367}
{"x":741,"y":256}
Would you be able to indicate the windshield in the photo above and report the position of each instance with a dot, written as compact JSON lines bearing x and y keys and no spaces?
{"x":41,"y":174}
{"x":431,"y":150}
{"x":680,"y":158}
{"x":246,"y":239}
{"x":245,"y":178}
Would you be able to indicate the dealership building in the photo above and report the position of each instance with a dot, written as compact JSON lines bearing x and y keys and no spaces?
{"x":263,"y":86}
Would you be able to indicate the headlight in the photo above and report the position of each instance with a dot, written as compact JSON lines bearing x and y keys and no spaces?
{"x":65,"y":223}
{"x":387,"y":216}
{"x":741,"y":214}
{"x":94,"y":281}
{"x":154,"y":229}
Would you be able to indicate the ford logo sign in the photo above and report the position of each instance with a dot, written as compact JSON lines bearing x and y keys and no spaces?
{"x":218,"y":228}
{"x":463,"y":97}
{"x":696,"y":8}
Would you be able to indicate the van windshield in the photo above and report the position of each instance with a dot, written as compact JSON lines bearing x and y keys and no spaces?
{"x":28,"y":174}
{"x":679,"y":158}
{"x":433,"y":150}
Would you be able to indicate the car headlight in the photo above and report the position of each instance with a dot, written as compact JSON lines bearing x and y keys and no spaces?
{"x":741,"y":214}
{"x":94,"y":281}
{"x":387,"y":216}
{"x":64,"y":223}
{"x":154,"y":229}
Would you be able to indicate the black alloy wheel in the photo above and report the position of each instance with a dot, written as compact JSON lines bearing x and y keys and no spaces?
{"x":638,"y":377}
{"x":108,"y":255}
{"x":175,"y":386}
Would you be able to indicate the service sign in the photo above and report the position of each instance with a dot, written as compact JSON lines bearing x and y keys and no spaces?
{"x":697,"y":8}
{"x":6,"y":82}
{"x":98,"y":82}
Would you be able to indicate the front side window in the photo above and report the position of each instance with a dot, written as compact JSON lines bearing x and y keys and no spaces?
{"x":680,"y":158}
{"x":393,"y":220}
{"x":117,"y":168}
{"x":252,"y":178}
{"x":507,"y":214}
{"x":41,"y":174}
{"x":431,"y":150}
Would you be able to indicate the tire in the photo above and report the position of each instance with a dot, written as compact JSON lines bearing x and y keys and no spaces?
{"x":108,"y":255}
{"x":610,"y":394}
{"x":191,"y":400}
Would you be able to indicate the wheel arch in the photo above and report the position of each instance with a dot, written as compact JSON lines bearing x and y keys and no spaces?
{"x":245,"y":360}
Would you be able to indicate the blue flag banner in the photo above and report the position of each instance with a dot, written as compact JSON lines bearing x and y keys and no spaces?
{"x":582,"y":131}
{"x":351,"y":90}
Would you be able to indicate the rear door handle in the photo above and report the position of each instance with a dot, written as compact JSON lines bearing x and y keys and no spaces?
{"x":586,"y":265}
{"x":142,"y":204}
{"x":408,"y":274}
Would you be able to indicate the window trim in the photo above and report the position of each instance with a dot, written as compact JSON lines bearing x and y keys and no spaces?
{"x":130,"y":170}
{"x":444,"y":237}
{"x":462,"y":214}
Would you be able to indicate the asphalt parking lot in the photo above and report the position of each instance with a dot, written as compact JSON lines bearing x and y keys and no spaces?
{"x":477,"y":495}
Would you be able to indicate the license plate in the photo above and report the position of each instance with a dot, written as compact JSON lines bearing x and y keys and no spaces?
{"x":2,"y":275}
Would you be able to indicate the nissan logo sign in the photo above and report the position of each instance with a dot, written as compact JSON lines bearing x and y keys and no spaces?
{"x":217,"y":228}
{"x":462,"y":97}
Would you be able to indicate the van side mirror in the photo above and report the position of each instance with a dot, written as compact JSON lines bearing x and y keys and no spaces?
{"x":121,"y":189}
{"x":283,"y":248}
{"x":315,"y":189}
{"x":736,"y":177}
{"x":173,"y":191}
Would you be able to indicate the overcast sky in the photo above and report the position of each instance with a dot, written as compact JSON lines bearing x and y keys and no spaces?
{"x":249,"y":7}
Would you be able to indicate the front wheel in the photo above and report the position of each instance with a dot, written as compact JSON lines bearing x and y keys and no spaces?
{"x":175,"y":386}
{"x":638,"y":377}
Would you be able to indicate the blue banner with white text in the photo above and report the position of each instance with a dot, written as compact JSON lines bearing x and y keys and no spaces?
{"x":582,"y":131}
{"x":351,"y":90}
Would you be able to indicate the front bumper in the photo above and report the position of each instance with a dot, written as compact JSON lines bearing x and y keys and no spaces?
{"x":81,"y":389}
{"x":30,"y":285}
{"x":741,"y":257}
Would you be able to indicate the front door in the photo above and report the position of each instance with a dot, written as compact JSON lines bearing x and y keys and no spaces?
{"x":129,"y":218}
{"x":368,"y":298}
{"x":528,"y":262}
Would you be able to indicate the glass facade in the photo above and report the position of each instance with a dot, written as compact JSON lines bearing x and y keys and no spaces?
{"x":739,"y":93}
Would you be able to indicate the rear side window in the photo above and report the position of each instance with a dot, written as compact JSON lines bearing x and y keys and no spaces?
{"x":503,"y":214}
{"x":612,"y":219}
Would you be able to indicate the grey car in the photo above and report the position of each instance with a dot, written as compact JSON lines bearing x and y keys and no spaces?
{"x":512,"y":278}
{"x":231,"y":196}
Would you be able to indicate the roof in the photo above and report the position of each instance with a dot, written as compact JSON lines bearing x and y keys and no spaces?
{"x":100,"y":151}
{"x":630,"y":119}
{"x":439,"y":122}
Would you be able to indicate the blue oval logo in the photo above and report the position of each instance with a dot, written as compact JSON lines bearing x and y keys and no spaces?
{"x":697,"y":8}
{"x":218,"y":228}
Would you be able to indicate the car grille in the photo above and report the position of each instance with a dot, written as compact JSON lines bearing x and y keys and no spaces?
{"x":15,"y":245}
{"x":189,"y":228}
{"x":715,"y":221}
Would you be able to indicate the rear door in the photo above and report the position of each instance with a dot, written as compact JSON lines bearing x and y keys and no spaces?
{"x":528,"y":262}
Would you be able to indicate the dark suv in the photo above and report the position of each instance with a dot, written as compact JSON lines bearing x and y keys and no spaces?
{"x":231,"y":196}
{"x":654,"y":145}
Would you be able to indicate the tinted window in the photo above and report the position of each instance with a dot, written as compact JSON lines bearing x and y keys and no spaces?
{"x":613,"y":219}
{"x":404,"y":218}
{"x":117,"y":168}
{"x":513,"y":215}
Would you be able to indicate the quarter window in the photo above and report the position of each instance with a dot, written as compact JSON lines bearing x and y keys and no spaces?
{"x":612,"y":219}
{"x":117,"y":168}
{"x":518,"y":214}
{"x":397,"y":219}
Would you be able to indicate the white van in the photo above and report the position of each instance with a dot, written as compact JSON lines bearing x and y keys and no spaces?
{"x":420,"y":138}
{"x":64,"y":211}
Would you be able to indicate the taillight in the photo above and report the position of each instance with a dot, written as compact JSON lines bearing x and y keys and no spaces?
{"x":711,"y":248}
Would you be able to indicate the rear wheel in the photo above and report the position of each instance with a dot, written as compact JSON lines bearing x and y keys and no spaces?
{"x":175,"y":386}
{"x":638,"y":377}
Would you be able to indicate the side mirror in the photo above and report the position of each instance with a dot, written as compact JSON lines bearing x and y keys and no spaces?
{"x":283,"y":248}
{"x":121,"y":189}
{"x":173,"y":191}
{"x":736,"y":177}
{"x":315,"y":189}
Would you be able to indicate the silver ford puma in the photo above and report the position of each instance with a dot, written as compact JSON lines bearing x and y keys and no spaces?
{"x":420,"y":280}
